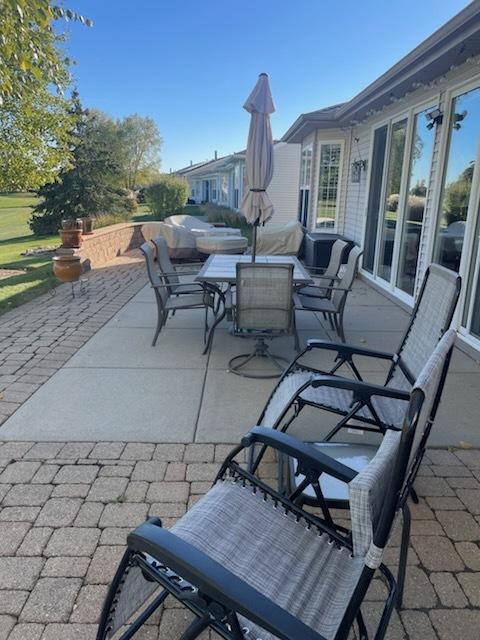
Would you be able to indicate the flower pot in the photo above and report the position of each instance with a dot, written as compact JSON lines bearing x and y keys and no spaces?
{"x":67,"y":268}
{"x":71,"y":238}
{"x":87,"y":225}
{"x":71,"y":223}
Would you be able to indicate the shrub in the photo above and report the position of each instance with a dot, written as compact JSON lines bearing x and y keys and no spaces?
{"x":229,"y":217}
{"x":167,"y":196}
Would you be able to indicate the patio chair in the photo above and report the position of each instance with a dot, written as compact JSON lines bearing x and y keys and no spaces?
{"x":251,"y":564}
{"x":329,"y":276}
{"x":263,"y":309}
{"x":166,"y":303}
{"x":332,"y":304}
{"x":168,"y":273}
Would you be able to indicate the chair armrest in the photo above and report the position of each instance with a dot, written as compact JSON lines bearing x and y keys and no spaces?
{"x":349,"y":349}
{"x":305,"y":453}
{"x":217,"y":582}
{"x":361,"y":390}
{"x":179,"y":273}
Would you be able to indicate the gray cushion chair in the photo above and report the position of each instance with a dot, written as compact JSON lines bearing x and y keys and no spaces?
{"x":207,"y":298}
{"x":262,"y":309}
{"x":250,"y":564}
{"x":361,"y":406}
{"x":332,"y":303}
{"x":329,"y":276}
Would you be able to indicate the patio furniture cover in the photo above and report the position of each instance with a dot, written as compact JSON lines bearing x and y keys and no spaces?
{"x":256,"y":205}
{"x":285,"y":239}
{"x":221,"y":244}
{"x":200,"y":227}
{"x":180,"y":242}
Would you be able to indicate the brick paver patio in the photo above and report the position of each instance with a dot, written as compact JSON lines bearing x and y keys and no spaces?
{"x":67,"y":507}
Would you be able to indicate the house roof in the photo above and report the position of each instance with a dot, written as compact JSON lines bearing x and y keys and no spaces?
{"x":450,"y":46}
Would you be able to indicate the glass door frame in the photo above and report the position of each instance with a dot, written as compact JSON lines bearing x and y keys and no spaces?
{"x":408,"y":114}
{"x":472,"y":214}
{"x":313,"y":204}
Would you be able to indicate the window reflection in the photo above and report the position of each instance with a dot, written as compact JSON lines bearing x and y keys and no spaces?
{"x":419,"y":174}
{"x":457,"y":184}
{"x":394,"y":179}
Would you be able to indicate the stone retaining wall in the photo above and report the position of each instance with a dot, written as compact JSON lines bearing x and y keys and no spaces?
{"x":106,"y":244}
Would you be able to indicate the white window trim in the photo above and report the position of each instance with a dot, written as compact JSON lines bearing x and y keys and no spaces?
{"x":313,"y":204}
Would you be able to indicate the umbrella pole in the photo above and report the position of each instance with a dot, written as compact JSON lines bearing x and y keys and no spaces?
{"x":254,"y":240}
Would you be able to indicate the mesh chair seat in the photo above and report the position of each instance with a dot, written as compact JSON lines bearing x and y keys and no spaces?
{"x":304,"y":572}
{"x":185,"y":288}
{"x":316,"y":304}
{"x":188,"y":301}
{"x":310,"y":290}
{"x":390,"y":411}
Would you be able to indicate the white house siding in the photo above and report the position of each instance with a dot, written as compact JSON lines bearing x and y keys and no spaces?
{"x":283,"y":189}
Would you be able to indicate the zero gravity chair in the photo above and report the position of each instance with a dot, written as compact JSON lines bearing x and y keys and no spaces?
{"x":251,"y":564}
{"x":364,"y":408}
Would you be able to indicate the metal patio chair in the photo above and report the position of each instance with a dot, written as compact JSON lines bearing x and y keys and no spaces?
{"x":251,"y":564}
{"x":329,"y":276}
{"x":332,"y":304}
{"x":263,"y":309}
{"x":170,"y":275}
{"x":207,"y":299}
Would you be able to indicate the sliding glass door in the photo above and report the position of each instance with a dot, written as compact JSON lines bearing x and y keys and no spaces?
{"x":400,"y":172}
{"x":418,"y":179}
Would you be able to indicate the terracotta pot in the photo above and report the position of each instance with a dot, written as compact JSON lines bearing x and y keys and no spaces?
{"x":87,"y":225}
{"x":67,"y":268}
{"x":71,"y":238}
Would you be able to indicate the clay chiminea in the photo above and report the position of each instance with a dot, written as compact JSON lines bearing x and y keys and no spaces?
{"x":71,"y":233}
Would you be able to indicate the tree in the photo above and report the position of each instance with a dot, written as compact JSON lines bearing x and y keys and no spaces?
{"x":167,"y":196}
{"x":141,"y":143}
{"x":35,"y":139}
{"x":92,"y":186}
{"x":29,"y":56}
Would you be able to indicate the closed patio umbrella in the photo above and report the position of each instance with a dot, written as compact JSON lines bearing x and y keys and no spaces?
{"x":256,"y":205}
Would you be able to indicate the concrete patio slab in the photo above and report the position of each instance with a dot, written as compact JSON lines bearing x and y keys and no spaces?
{"x":131,"y":347}
{"x":230,"y":406}
{"x":136,"y":314}
{"x":111,"y":404}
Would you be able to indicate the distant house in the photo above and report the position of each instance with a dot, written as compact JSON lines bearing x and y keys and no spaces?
{"x":221,"y":181}
{"x":397,"y":168}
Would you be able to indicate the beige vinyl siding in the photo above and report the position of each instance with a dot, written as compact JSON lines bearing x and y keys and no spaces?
{"x":284,"y":187}
{"x":356,"y":193}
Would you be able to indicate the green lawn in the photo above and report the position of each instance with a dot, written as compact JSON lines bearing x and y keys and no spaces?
{"x":15,"y":237}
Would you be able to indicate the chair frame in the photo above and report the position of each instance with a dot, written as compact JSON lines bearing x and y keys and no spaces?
{"x":213,"y":298}
{"x":261,"y":349}
{"x":217,"y":596}
{"x":334,"y":317}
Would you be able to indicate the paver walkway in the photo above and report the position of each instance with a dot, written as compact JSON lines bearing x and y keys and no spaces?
{"x":68,"y":507}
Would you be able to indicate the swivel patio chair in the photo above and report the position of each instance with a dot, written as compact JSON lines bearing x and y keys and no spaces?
{"x":332,"y":303}
{"x":251,"y":564}
{"x":263,"y":310}
{"x":207,"y":299}
{"x":329,"y":276}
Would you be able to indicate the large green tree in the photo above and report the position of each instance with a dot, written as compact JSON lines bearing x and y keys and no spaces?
{"x":30,"y":57}
{"x":35,"y":117}
{"x":141,"y":143}
{"x":92,"y":186}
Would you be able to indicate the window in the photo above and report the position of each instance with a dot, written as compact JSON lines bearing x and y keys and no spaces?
{"x":224,"y":189}
{"x":457,"y":180}
{"x":328,"y":184}
{"x":213,"y":189}
{"x":373,"y":208}
{"x":235,"y":198}
{"x":392,"y":198}
{"x":305,"y":181}
{"x":419,"y":176}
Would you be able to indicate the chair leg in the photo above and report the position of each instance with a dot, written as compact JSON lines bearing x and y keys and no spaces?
{"x":341,"y":331}
{"x":160,"y":323}
{"x":402,"y":563}
{"x":197,"y":627}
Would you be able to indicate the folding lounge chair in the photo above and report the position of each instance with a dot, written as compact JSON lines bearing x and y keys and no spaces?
{"x":332,"y":304}
{"x":207,"y":298}
{"x":251,"y":564}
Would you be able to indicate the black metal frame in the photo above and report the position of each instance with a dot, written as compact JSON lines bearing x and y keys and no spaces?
{"x":215,"y":595}
{"x":213,"y":298}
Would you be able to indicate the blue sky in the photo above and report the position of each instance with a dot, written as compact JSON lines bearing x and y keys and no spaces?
{"x":190,"y":64}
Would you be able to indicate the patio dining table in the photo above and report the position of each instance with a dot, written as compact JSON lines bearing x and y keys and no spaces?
{"x":223,"y":268}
